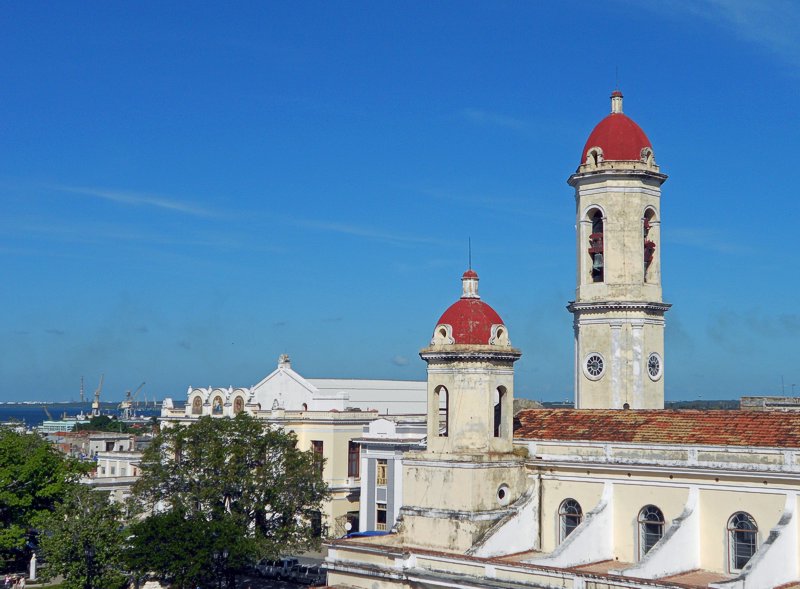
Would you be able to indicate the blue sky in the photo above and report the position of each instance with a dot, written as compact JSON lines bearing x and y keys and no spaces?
{"x":190,"y":190}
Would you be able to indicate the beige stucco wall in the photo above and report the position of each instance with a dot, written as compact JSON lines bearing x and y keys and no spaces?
{"x":553,"y":493}
{"x":717,"y":507}
{"x":625,"y":338}
{"x":629,"y":499}
{"x":623,"y":201}
{"x":471,"y":387}
{"x":463,"y":486}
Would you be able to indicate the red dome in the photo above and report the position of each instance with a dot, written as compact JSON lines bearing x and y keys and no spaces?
{"x":469,"y":274}
{"x":619,"y":137}
{"x":471,"y":320}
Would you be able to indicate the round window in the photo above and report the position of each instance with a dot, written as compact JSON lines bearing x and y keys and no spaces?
{"x":503,"y":495}
{"x":655,"y":366}
{"x":594,"y":366}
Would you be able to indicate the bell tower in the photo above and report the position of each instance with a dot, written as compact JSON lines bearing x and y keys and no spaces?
{"x":618,"y":308}
{"x":469,"y":476}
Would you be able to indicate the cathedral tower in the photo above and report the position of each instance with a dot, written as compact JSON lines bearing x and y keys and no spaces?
{"x":470,"y":429}
{"x":618,"y":308}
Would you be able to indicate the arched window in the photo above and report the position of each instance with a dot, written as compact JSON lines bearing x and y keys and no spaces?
{"x":596,"y":251}
{"x":443,"y":402}
{"x":499,"y":401}
{"x":651,"y":528}
{"x":742,"y":540}
{"x":649,"y":241}
{"x":197,"y":406}
{"x":570,"y":515}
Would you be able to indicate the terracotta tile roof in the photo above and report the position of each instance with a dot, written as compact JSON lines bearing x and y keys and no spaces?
{"x":712,"y":427}
{"x":698,"y":578}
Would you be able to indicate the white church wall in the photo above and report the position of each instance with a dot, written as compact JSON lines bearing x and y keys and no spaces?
{"x":775,"y":561}
{"x":679,"y":549}
{"x":554,"y":492}
{"x":592,"y":540}
{"x":716,"y":508}
{"x":629,"y":499}
{"x":517,"y":532}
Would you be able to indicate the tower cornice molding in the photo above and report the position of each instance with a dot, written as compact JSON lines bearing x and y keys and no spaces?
{"x":600,"y":306}
{"x":454,"y":353}
{"x":609,"y":170}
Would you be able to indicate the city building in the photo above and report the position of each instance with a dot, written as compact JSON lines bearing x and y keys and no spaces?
{"x":615,"y":493}
{"x":117,"y":457}
{"x":326,"y":415}
{"x":382,"y":447}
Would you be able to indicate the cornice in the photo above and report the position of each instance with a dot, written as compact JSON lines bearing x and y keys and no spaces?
{"x":652,"y":306}
{"x":616,"y":172}
{"x":451,"y":353}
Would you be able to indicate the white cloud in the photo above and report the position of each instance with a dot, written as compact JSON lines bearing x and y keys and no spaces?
{"x":139,"y":199}
{"x":367,"y":232}
{"x":773,"y":25}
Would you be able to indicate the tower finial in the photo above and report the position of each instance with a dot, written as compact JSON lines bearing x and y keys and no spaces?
{"x":616,"y":102}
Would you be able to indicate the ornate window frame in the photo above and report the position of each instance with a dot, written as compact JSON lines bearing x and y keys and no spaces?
{"x":570,"y":516}
{"x":651,"y":527}
{"x":742,"y":540}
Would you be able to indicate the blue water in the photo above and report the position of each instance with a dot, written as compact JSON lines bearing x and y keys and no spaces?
{"x":34,"y":415}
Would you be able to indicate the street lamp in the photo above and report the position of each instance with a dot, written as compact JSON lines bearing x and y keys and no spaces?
{"x":89,"y":551}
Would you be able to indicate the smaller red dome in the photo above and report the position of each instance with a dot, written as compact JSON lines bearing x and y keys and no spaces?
{"x":469,"y":318}
{"x":471,"y":321}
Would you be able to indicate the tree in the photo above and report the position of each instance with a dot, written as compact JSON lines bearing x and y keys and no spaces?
{"x":103,"y":423}
{"x":83,"y":540}
{"x":225,"y":492}
{"x":34,"y":478}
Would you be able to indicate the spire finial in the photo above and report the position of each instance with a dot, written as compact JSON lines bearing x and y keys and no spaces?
{"x":616,"y":102}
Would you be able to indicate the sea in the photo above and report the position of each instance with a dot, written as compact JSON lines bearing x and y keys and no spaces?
{"x":33,"y":414}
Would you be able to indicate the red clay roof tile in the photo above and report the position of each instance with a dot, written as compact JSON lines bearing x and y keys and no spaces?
{"x":712,"y":427}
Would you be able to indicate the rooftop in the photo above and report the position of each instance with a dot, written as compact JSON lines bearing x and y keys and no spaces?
{"x":685,"y":427}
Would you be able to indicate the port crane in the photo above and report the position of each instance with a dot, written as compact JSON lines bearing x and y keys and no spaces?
{"x":127,"y":404}
{"x":96,"y":402}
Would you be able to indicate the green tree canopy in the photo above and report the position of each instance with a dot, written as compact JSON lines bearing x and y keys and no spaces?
{"x":82,"y":539}
{"x":34,"y":478}
{"x":232,"y":490}
{"x":103,"y":423}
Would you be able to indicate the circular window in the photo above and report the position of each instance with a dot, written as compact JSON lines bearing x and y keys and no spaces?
{"x":594,"y":366}
{"x":503,"y":495}
{"x":654,"y":366}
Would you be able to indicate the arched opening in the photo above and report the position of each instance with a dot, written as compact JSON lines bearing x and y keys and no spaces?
{"x":742,"y":540}
{"x":442,"y":401}
{"x":305,"y":406}
{"x":648,"y":234}
{"x":651,"y":528}
{"x":570,"y":516}
{"x":498,"y":402}
{"x":197,"y":406}
{"x":596,"y":250}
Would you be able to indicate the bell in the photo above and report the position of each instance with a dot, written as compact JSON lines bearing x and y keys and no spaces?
{"x":597,"y":263}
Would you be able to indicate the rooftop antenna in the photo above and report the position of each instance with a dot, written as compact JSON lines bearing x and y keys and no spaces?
{"x":469,"y":242}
